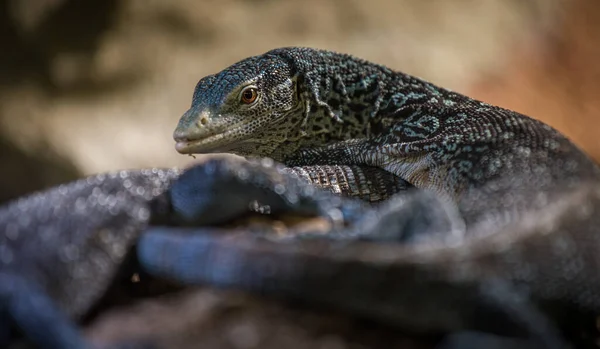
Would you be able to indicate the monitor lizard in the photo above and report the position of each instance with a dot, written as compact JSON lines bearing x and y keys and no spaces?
{"x":304,"y":106}
{"x":497,"y":166}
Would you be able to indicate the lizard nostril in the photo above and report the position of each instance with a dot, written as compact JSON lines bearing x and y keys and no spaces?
{"x":203,"y":121}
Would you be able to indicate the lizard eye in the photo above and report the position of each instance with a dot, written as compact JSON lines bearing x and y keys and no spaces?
{"x":249,"y":95}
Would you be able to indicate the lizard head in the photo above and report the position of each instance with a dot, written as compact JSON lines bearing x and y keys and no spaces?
{"x":241,"y":109}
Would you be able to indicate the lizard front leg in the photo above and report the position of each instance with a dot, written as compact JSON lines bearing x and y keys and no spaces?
{"x":367,"y":183}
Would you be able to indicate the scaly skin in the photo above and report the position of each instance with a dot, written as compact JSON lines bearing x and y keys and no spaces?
{"x":504,"y":276}
{"x":316,"y":107}
{"x":98,"y":219}
{"x":370,"y":184}
{"x":60,"y":249}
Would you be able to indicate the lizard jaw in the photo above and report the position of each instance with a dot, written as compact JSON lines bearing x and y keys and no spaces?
{"x":211,"y":143}
{"x":199,"y":147}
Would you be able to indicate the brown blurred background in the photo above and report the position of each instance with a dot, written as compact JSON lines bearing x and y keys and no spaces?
{"x":89,"y":86}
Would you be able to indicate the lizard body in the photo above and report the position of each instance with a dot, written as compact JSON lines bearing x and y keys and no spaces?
{"x":349,"y":261}
{"x":495,"y":278}
{"x":303,"y":106}
{"x":60,"y":249}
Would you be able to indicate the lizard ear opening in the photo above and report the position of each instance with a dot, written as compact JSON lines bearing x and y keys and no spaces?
{"x":296,"y":86}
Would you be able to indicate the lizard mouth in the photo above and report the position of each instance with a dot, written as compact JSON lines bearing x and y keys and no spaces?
{"x":214,"y":142}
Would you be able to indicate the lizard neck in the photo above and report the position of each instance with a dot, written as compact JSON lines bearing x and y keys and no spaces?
{"x":343,"y":98}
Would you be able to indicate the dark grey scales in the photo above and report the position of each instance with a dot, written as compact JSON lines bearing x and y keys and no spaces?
{"x":123,"y":203}
{"x":62,"y":248}
{"x":510,"y":283}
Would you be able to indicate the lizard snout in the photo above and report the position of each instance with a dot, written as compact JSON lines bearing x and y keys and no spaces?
{"x":202,"y":131}
{"x":194,"y":125}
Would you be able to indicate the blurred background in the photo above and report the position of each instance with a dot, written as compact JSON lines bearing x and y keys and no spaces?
{"x":97,"y":85}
